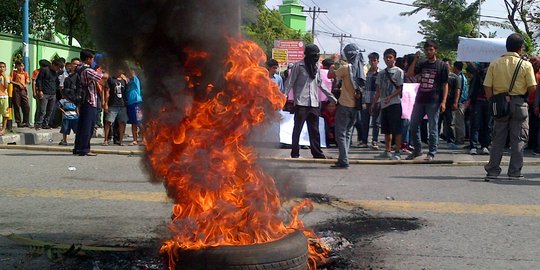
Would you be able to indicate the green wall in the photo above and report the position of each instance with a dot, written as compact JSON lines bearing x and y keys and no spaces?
{"x":39,"y":49}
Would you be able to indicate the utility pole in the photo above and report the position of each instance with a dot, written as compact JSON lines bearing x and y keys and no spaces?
{"x":25,"y":39}
{"x":479,"y":17}
{"x":341,"y":37}
{"x":315,"y":10}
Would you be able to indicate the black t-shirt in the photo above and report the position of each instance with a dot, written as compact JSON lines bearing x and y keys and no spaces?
{"x":117,"y":92}
{"x":453,"y":84}
{"x":432,"y":77}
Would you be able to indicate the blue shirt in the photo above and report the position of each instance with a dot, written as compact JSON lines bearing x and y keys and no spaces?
{"x":134,"y":91}
{"x":279,"y":81}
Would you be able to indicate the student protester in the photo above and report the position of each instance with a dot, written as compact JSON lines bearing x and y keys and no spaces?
{"x":273,"y":66}
{"x":515,"y":125}
{"x":305,"y":80}
{"x":134,"y":106}
{"x":46,"y":86}
{"x":430,"y":99}
{"x":20,"y":80}
{"x":452,"y":101}
{"x":365,"y":115}
{"x":4,"y":98}
{"x":114,"y":105}
{"x":480,"y":131}
{"x":389,"y":88}
{"x":88,"y":109}
{"x":460,"y":126}
{"x":353,"y":78}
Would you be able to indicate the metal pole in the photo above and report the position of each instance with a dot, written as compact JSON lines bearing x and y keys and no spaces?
{"x":479,"y":17}
{"x":25,"y":35}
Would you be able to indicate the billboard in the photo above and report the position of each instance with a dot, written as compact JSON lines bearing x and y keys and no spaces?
{"x":287,"y":51}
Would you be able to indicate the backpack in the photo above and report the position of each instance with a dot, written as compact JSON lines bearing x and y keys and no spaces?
{"x":73,"y":87}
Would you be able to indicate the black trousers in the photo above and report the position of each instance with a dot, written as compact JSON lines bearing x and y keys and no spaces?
{"x":87,"y":116}
{"x":303,"y":114}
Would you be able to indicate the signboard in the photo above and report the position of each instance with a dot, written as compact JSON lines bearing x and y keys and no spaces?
{"x":280,"y":55}
{"x":480,"y":49}
{"x":294,"y":49}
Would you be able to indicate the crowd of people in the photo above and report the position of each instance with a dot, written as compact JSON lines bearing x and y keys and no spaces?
{"x":451,"y":101}
{"x":75,"y":96}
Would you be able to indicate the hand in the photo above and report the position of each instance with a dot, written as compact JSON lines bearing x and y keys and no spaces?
{"x":417,"y":55}
{"x":40,"y":94}
{"x":455,"y":107}
{"x":105,"y":108}
{"x":443,"y":107}
{"x":371,"y":108}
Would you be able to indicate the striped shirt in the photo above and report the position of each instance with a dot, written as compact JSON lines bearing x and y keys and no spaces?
{"x":90,"y":79}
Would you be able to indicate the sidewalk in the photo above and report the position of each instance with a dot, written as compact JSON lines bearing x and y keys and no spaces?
{"x":48,"y":139}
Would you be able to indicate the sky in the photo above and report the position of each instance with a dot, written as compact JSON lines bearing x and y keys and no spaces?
{"x":372,"y":22}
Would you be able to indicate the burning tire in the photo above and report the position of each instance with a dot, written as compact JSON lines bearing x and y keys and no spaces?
{"x":291,"y":252}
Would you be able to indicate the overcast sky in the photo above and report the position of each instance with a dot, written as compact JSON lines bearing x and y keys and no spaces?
{"x":379,"y":21}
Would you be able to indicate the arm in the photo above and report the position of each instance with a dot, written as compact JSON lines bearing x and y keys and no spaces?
{"x":290,"y":80}
{"x":375,"y":99}
{"x":412,"y":66}
{"x":325,"y":90}
{"x":444,"y":96}
{"x":456,"y":99}
{"x":332,"y":72}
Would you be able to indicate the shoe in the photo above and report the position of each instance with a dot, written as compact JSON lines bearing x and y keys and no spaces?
{"x":339,"y":166}
{"x":90,"y":154}
{"x":516,"y":177}
{"x":473,"y":151}
{"x":536,"y":153}
{"x":385,"y":155}
{"x":362,"y":145}
{"x":396,"y":156}
{"x":46,"y":127}
{"x":490,"y":177}
{"x":37,"y":127}
{"x":412,"y":156}
{"x":374,"y":145}
{"x":453,"y":146}
{"x":295,"y":156}
{"x":485,"y":151}
{"x":429,"y":157}
{"x":62,"y":143}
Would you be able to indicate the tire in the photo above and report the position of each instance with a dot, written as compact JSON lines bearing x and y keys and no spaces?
{"x":290,"y":253}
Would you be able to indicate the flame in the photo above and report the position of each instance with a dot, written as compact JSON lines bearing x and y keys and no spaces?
{"x":221,"y":195}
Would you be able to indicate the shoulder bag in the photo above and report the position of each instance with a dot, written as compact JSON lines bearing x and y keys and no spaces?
{"x":499,"y":105}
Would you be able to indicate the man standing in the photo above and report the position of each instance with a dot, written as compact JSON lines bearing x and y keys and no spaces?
{"x":46,"y":86}
{"x":498,"y":80}
{"x":366,"y":115}
{"x":88,"y":109}
{"x":459,"y":115}
{"x":305,"y":80}
{"x":273,"y":66}
{"x":351,"y":75}
{"x":452,"y":103}
{"x":430,"y":99}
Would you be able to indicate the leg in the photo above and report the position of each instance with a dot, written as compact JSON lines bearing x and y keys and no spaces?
{"x":376,"y":122}
{"x":134,"y":134}
{"x":519,"y":135}
{"x":25,"y":106}
{"x":366,"y":120}
{"x":341,"y":134}
{"x":85,"y":129}
{"x":459,"y":124}
{"x":300,"y":115}
{"x":432,"y":111}
{"x":499,"y":133}
{"x":106,"y":130}
{"x":476,"y":118}
{"x":17,"y":105}
{"x":121,"y":131}
{"x":414,"y":130}
{"x":449,"y":125}
{"x":313,"y":131}
{"x":42,"y":110}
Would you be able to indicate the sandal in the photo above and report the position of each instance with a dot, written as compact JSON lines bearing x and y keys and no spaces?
{"x":133,"y":144}
{"x":105,"y":143}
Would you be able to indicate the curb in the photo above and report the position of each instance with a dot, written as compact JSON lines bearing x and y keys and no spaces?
{"x":358,"y":161}
{"x":69,"y":150}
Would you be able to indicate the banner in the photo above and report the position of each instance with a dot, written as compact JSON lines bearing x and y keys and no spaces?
{"x":480,"y":49}
{"x":294,"y":50}
{"x":286,"y":128}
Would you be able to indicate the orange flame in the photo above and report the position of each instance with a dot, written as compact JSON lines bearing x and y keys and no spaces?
{"x":222,"y":197}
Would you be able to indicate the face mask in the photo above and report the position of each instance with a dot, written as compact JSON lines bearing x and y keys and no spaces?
{"x":314,"y":57}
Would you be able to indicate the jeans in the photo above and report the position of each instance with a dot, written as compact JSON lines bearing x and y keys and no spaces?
{"x":345,"y":119}
{"x":480,"y":125}
{"x":432,"y":112}
{"x":459,"y":124}
{"x":447,"y":117}
{"x":363,"y":121}
{"x":46,"y":106}
{"x":405,"y":131}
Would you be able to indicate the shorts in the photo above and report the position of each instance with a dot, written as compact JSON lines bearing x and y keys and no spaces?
{"x":391,"y":120}
{"x":4,"y":105}
{"x":116,"y":114}
{"x":135,"y":115}
{"x":68,"y":125}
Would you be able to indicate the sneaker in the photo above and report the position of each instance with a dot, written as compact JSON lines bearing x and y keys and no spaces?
{"x":490,"y":177}
{"x":374,"y":145}
{"x":339,"y":166}
{"x":453,"y":146}
{"x":429,"y":157}
{"x":536,"y":153}
{"x":62,"y":143}
{"x":362,"y":145}
{"x":473,"y":151}
{"x":385,"y":155}
{"x":413,"y":156}
{"x":396,"y":156}
{"x":485,"y":151}
{"x":516,"y":177}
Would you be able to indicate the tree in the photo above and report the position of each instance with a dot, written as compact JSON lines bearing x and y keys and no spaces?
{"x":72,"y":21}
{"x":523,"y":16}
{"x":449,"y":19}
{"x":41,"y":18}
{"x":269,"y":26}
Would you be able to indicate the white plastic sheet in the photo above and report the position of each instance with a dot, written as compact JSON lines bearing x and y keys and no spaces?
{"x":480,"y":49}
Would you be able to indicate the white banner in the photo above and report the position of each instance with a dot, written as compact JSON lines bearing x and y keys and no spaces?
{"x":286,"y":128}
{"x":480,"y":49}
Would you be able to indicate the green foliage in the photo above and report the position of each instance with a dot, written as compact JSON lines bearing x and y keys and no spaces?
{"x":269,"y":26}
{"x":448,"y":20}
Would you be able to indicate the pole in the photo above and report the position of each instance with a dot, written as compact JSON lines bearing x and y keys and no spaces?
{"x":25,"y":34}
{"x":479,"y":17}
{"x":314,"y":16}
{"x":341,"y":37}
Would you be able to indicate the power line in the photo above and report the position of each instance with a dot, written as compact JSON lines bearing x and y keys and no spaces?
{"x":315,"y":11}
{"x":341,"y":37}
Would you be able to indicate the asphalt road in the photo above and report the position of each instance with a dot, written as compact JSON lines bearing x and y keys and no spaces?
{"x":461,"y":222}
